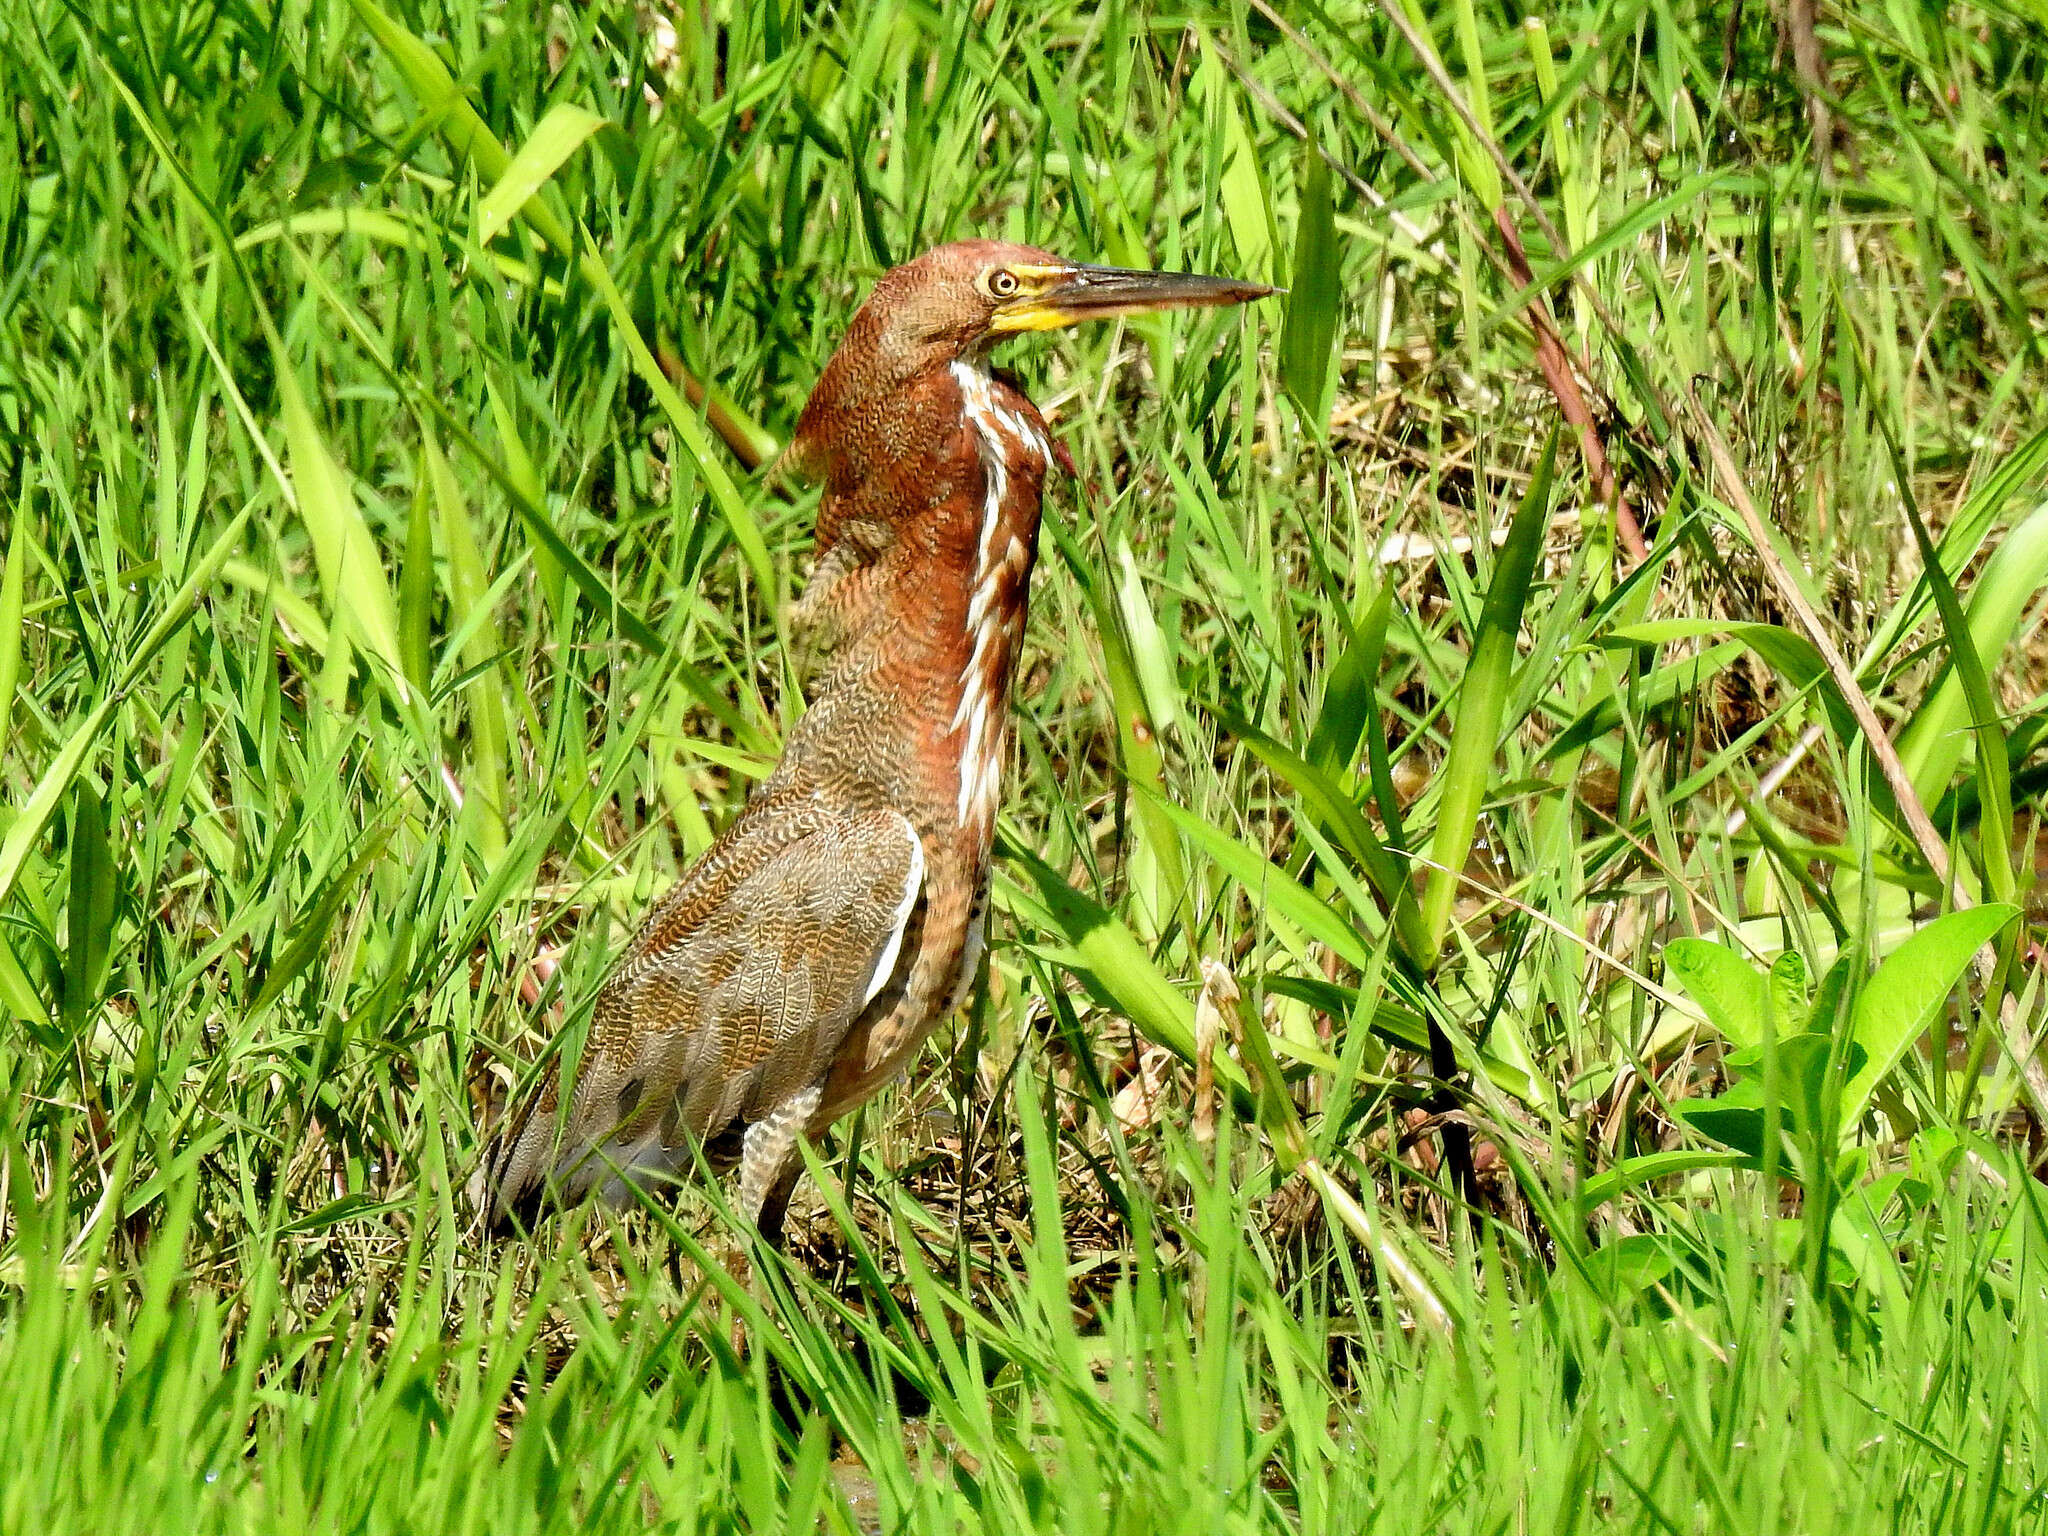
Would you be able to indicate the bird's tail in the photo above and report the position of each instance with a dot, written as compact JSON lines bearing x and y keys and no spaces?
{"x":510,"y":1185}
{"x":542,"y":1156}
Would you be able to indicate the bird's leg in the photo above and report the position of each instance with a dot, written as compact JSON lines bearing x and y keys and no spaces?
{"x":765,"y":1154}
{"x":776,"y":1207}
{"x":766,"y":1178}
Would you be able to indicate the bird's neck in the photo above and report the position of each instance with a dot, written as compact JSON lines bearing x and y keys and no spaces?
{"x":1009,"y":440}
{"x":927,"y":535}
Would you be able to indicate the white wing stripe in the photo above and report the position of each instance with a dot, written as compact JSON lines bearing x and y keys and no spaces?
{"x":885,"y":962}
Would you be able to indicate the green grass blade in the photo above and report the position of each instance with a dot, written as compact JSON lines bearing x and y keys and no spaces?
{"x":1468,"y":770}
{"x":35,"y":812}
{"x":13,"y":590}
{"x":725,"y":495}
{"x":344,"y":550}
{"x":1346,"y":824}
{"x":1107,"y":950}
{"x":1932,"y":744}
{"x":554,"y":139}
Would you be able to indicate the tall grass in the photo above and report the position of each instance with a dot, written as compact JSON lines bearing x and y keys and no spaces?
{"x":1551,"y":663}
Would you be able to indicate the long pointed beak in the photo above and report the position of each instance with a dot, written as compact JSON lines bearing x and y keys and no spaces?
{"x":1100,"y":293}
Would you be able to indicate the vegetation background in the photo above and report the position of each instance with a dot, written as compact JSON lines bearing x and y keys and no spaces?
{"x":1515,"y":996}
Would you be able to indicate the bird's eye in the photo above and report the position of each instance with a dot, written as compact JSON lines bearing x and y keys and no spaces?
{"x":1002,"y":284}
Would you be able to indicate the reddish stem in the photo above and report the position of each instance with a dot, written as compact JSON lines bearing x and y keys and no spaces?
{"x":1557,"y":373}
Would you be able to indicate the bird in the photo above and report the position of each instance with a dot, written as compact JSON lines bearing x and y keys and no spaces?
{"x":796,"y":966}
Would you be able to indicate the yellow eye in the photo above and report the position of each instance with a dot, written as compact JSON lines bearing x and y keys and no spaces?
{"x":1002,"y":284}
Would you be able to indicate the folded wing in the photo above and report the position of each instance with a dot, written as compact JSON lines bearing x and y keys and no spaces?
{"x":730,"y":1003}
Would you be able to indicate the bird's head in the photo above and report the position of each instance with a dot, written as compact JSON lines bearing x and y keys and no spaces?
{"x":958,"y":300}
{"x":955,"y":302}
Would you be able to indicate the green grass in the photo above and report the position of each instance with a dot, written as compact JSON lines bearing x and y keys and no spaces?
{"x":376,"y":619}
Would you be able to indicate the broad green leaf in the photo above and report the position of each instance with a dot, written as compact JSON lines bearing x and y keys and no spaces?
{"x":1743,"y":1116}
{"x":1308,"y":339}
{"x":1731,"y":992}
{"x":1896,"y":1005}
{"x":1629,"y":1266}
{"x":1790,"y":1000}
